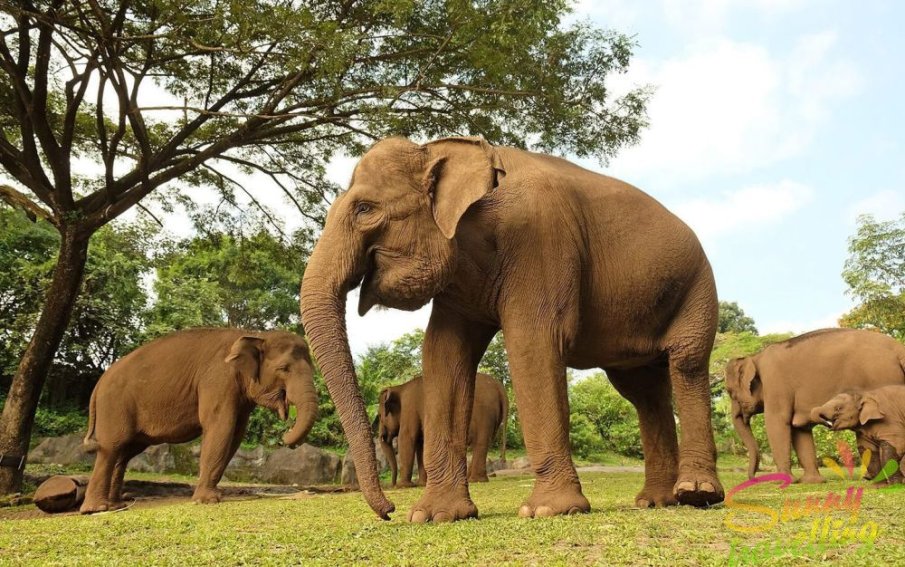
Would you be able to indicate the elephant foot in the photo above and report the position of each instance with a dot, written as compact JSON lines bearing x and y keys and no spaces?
{"x":206,"y":496}
{"x":810,"y":479}
{"x":698,"y":489}
{"x":655,"y":497}
{"x":549,"y":501}
{"x":101,"y":506}
{"x":478,"y":478}
{"x":405,"y":484}
{"x":445,"y":506}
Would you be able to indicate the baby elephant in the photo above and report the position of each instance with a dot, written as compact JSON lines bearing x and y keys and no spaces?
{"x":400,"y":417}
{"x":200,"y":381}
{"x":878,"y":416}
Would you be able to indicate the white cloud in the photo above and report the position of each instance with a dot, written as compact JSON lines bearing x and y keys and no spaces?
{"x":748,"y":208}
{"x":727,"y":107}
{"x":380,"y":325}
{"x":884,"y":205}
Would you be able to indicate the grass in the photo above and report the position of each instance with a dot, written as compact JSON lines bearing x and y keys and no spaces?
{"x":339,"y":529}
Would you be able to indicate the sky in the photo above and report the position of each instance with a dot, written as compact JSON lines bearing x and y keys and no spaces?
{"x":773,"y":125}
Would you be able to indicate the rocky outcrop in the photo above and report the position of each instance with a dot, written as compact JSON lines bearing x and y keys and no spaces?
{"x":66,"y":451}
{"x":304,"y":465}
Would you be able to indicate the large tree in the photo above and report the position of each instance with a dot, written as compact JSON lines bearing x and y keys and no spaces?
{"x":176,"y":93}
{"x":732,"y":319}
{"x":875,"y":274}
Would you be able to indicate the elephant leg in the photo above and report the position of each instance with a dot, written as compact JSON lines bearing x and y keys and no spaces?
{"x":406,"y":443}
{"x":218,"y":444}
{"x":648,"y":389}
{"x":422,"y":472}
{"x":872,"y":468}
{"x":477,"y":471}
{"x":452,"y":349}
{"x":803,"y":441}
{"x":888,"y":454}
{"x":697,"y":483}
{"x":539,"y":378}
{"x":779,"y":434}
{"x":119,"y":472}
{"x":97,"y":495}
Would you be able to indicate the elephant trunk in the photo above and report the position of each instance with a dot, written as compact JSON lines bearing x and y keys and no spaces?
{"x":390,"y":455}
{"x":742,"y":425}
{"x":300,"y":393}
{"x":323,"y":306}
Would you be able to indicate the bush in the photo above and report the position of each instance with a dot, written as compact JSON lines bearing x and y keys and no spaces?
{"x":54,"y":423}
{"x":598,"y":410}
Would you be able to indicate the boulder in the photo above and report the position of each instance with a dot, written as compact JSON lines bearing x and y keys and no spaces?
{"x":497,"y":465}
{"x":304,"y":465}
{"x":66,"y":450}
{"x":246,"y":465}
{"x":154,"y":459}
{"x":521,"y":463}
{"x":60,"y":494}
{"x":348,"y":476}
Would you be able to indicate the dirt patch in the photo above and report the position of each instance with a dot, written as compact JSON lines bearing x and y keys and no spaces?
{"x":148,"y":494}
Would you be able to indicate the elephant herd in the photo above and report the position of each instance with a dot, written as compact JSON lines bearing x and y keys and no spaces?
{"x":577,"y":269}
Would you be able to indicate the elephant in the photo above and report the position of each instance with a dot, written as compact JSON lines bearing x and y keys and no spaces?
{"x":401,"y":415}
{"x":787,"y":379}
{"x":576,"y":268}
{"x":189,"y":383}
{"x":878,"y":416}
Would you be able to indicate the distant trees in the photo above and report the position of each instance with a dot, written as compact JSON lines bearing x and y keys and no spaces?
{"x":732,"y":319}
{"x":875,"y":274}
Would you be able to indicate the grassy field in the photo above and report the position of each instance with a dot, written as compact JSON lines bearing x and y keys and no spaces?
{"x":338,"y":529}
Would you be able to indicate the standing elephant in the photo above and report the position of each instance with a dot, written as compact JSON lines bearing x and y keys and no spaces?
{"x":577,"y":269}
{"x":878,"y":416}
{"x":788,"y":379}
{"x":401,"y":417}
{"x":189,"y":383}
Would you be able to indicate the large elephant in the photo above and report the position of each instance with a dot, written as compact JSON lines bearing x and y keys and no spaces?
{"x":788,"y":379}
{"x":577,"y":269}
{"x":400,"y":416}
{"x":878,"y":416}
{"x":200,"y":381}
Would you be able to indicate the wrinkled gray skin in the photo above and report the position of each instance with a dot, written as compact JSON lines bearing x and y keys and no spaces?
{"x":400,"y":418}
{"x":189,"y":383}
{"x":577,"y":269}
{"x":787,"y":379}
{"x":878,"y":416}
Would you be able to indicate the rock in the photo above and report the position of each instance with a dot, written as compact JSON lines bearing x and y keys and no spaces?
{"x":497,"y":465}
{"x":348,"y":476}
{"x":66,"y":450}
{"x":246,"y":465}
{"x":154,"y":459}
{"x":60,"y":494}
{"x":521,"y":463}
{"x":305,"y":465}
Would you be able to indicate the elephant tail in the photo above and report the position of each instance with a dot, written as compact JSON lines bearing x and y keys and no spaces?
{"x":504,"y":425}
{"x":89,"y":444}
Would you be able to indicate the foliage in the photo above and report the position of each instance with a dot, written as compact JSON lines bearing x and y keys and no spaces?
{"x":54,"y":423}
{"x":875,"y":274}
{"x":732,"y":319}
{"x":339,"y":529}
{"x":601,"y":419}
{"x":229,"y":275}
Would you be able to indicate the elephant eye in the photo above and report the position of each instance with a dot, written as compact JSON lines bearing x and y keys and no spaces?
{"x":362,"y":208}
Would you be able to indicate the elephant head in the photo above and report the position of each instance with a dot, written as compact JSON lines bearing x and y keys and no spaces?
{"x":746,"y":390}
{"x":848,"y":410}
{"x":392,"y":232}
{"x":275,"y":371}
{"x":388,"y":423}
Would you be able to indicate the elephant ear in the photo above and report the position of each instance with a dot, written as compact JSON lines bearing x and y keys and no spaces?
{"x":749,"y":379}
{"x":459,"y":172}
{"x":869,"y":410}
{"x":246,"y":356}
{"x":390,"y":402}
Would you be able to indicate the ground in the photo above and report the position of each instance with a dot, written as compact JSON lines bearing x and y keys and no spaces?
{"x":339,"y":529}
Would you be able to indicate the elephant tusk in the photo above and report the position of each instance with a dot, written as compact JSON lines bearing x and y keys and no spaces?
{"x":829,"y":423}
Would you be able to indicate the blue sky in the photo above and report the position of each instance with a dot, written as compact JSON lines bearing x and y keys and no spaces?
{"x":773,"y":125}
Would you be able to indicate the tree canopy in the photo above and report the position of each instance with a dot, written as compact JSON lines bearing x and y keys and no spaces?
{"x":732,"y":319}
{"x":875,"y":274}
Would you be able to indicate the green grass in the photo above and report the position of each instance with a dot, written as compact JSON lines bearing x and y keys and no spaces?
{"x":339,"y":529}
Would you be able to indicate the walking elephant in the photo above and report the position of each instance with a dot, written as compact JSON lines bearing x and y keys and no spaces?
{"x":189,"y":383}
{"x":787,"y":380}
{"x":401,"y":417}
{"x":576,"y":268}
{"x":878,"y":416}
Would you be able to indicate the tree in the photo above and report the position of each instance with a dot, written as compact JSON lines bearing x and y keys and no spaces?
{"x":274,"y":88}
{"x":875,"y":274}
{"x":732,"y":319}
{"x":601,"y":419}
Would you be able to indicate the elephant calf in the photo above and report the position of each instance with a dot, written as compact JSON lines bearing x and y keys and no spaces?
{"x":400,"y":417}
{"x":200,"y":381}
{"x":878,"y":416}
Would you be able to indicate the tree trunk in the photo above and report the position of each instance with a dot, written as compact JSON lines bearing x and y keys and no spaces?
{"x":25,"y":391}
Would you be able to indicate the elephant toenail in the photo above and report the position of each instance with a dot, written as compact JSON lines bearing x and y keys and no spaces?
{"x":418,"y":517}
{"x":643,"y":503}
{"x":685,"y":486}
{"x":525,"y":511}
{"x":544,"y":512}
{"x":574,"y":510}
{"x":707,"y":487}
{"x":440,"y":517}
